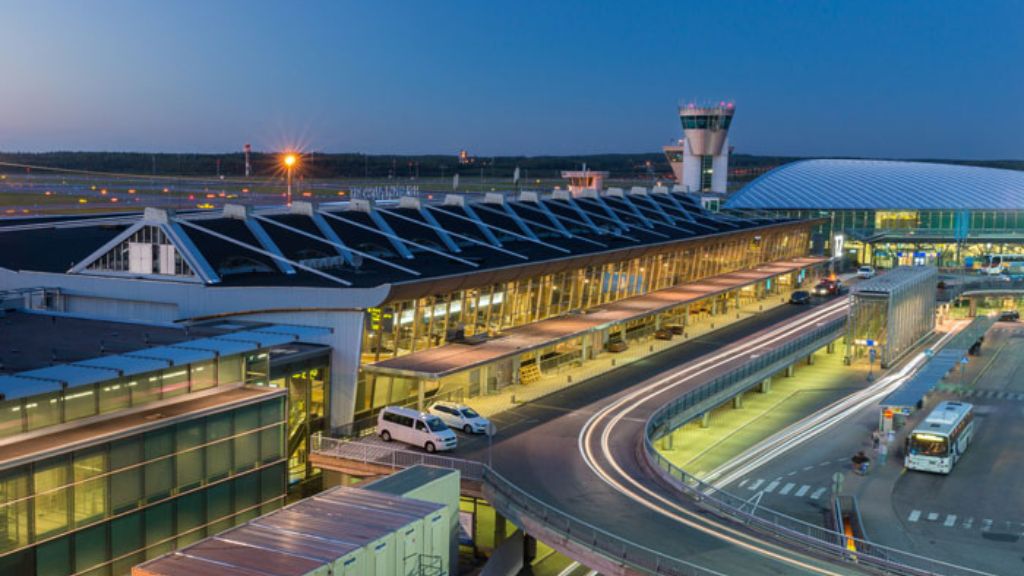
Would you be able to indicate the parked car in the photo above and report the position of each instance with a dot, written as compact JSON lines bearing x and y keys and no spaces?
{"x":616,"y":346}
{"x":829,"y":288}
{"x":663,"y":334}
{"x":415,"y":428}
{"x":866,"y":272}
{"x":800,"y":297}
{"x":460,"y":417}
{"x":1009,"y":316}
{"x":676,"y":329}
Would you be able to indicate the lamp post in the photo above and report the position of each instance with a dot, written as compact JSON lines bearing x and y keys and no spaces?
{"x":289,"y":165}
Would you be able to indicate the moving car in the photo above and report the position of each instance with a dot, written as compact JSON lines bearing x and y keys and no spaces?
{"x":415,"y":428}
{"x":1009,"y":316}
{"x":800,"y":297}
{"x":829,"y":288}
{"x":460,"y":417}
{"x":866,"y":272}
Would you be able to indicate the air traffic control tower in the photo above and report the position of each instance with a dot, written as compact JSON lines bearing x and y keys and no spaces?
{"x":700,"y":160}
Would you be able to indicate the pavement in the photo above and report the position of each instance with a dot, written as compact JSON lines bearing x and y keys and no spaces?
{"x":973,"y":517}
{"x":537,"y":449}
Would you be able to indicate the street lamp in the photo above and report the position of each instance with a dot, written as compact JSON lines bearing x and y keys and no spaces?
{"x":289,"y":164}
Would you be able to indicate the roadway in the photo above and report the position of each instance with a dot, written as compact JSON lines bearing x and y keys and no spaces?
{"x":579,"y":449}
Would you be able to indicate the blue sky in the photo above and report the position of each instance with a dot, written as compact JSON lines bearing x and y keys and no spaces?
{"x":908,"y":79}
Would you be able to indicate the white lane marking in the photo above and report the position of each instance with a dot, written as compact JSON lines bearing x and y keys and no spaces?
{"x":742,"y":482}
{"x":968,"y":524}
{"x":569,"y":569}
{"x":817,"y":493}
{"x":806,"y":468}
{"x":933,"y":516}
{"x":803,"y":490}
{"x":986,"y":525}
{"x":771,"y":487}
{"x":756,"y":483}
{"x":914,"y":516}
{"x":787,"y":488}
{"x":950,"y":520}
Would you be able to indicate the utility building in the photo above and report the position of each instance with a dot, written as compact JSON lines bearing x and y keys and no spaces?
{"x":891,"y":313}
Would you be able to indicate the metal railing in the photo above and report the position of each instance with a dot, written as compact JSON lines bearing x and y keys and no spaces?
{"x":790,"y":531}
{"x":513,"y":503}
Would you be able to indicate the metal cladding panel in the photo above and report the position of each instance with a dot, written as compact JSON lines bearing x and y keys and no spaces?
{"x":259,"y":337}
{"x":176,"y":356}
{"x":13,"y":387}
{"x":72,"y":375}
{"x":299,"y":332}
{"x":882,"y":185}
{"x":221,"y":346}
{"x":127,"y":365}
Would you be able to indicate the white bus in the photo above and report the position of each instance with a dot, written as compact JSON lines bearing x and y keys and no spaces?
{"x":940,"y":441}
{"x":1004,"y":264}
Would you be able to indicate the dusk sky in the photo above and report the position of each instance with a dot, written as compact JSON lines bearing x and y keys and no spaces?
{"x":909,"y":79}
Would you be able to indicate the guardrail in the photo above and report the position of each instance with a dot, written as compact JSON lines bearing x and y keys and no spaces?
{"x":513,"y":502}
{"x":786,"y":529}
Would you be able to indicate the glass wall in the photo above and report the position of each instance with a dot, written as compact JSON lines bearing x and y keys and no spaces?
{"x":35,"y":412}
{"x":306,"y":382}
{"x":101,"y":509}
{"x":407,"y":326}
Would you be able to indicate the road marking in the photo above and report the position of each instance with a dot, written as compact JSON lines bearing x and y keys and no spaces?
{"x":806,"y":468}
{"x":771,"y":486}
{"x":824,"y":464}
{"x":914,"y":516}
{"x":933,"y":516}
{"x":742,"y":482}
{"x":986,"y":525}
{"x":950,"y":520}
{"x":787,"y":488}
{"x":756,"y":483}
{"x":803,"y":490}
{"x":968,"y":524}
{"x":817,"y":493}
{"x":793,"y":473}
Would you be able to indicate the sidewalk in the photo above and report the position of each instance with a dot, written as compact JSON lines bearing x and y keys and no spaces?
{"x":570,"y":375}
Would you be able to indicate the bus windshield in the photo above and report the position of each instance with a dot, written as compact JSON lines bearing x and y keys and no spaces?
{"x":928,"y":445}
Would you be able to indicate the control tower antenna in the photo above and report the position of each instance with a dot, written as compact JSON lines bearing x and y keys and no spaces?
{"x":248,"y":167}
{"x":700,"y":161}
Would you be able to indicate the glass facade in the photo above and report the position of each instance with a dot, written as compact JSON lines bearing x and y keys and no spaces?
{"x":407,"y":326}
{"x":307,"y":383}
{"x":35,"y":412}
{"x":101,"y":509}
{"x":945,"y":238}
{"x":892,"y":318}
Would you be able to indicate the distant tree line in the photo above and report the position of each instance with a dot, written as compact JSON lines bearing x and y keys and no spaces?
{"x":329,"y":165}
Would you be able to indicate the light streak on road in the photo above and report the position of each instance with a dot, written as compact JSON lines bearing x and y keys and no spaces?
{"x":607,"y":418}
{"x":817,"y":423}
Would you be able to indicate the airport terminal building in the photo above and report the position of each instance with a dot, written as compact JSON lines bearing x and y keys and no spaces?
{"x":893,"y":213}
{"x":161,"y":374}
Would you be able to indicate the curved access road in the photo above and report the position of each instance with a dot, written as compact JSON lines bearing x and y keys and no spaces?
{"x":580,"y":450}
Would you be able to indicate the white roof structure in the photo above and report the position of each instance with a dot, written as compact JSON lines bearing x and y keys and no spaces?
{"x":882,"y":185}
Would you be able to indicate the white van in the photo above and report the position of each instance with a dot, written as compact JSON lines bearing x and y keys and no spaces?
{"x":416,"y":428}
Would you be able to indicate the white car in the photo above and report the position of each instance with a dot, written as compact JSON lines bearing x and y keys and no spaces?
{"x":866,"y":272}
{"x":460,"y":417}
{"x":415,"y":428}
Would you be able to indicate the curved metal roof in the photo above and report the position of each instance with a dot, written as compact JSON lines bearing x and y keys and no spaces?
{"x":884,"y":185}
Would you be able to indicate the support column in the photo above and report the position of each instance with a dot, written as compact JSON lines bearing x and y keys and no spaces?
{"x":500,"y":532}
{"x":789,"y":371}
{"x":666,"y":442}
{"x":810,"y":359}
{"x":830,"y":348}
{"x":421,"y":390}
{"x":705,"y":420}
{"x":529,"y":549}
{"x":737,"y":401}
{"x":766,"y":385}
{"x":972,"y":310}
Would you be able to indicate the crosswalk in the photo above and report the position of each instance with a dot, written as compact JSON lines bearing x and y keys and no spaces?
{"x":993,"y":394}
{"x":953,"y":521}
{"x":782,"y":488}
